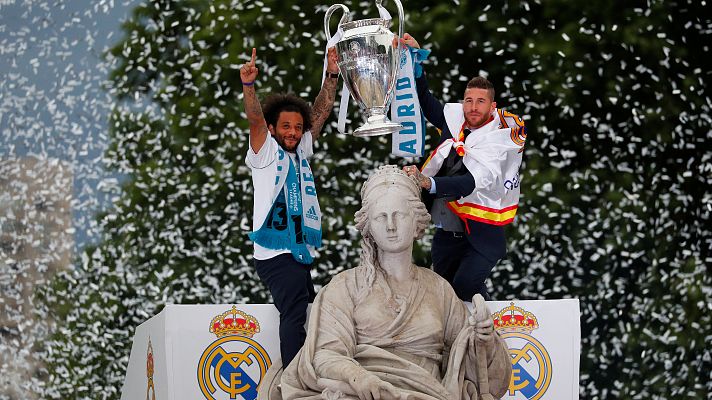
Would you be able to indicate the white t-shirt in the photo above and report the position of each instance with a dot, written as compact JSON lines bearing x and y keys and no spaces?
{"x":264,"y":172}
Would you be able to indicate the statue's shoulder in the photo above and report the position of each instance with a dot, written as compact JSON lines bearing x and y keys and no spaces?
{"x":342,"y":288}
{"x":429,"y":274}
{"x":352,"y":278}
{"x":344,"y":275}
{"x":346,"y":278}
{"x":432,"y":279}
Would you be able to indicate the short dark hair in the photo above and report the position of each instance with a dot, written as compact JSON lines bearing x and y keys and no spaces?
{"x":276,"y":103}
{"x":480,"y":82}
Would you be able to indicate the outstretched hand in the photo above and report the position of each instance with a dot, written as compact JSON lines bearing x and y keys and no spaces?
{"x":409,"y":40}
{"x":248,"y":71}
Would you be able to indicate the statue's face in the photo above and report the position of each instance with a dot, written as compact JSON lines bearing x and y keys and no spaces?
{"x":392,"y":223}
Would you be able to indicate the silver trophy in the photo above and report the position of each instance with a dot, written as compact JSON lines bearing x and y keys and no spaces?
{"x":369,"y":55}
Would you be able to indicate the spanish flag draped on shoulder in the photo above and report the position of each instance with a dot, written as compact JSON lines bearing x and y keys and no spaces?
{"x":493,"y":155}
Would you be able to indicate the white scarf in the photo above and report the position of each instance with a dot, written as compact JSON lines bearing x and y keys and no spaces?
{"x":405,"y":109}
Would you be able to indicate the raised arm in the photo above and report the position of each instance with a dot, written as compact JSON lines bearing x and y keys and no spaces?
{"x":432,"y":108}
{"x":253,"y":109}
{"x":324,"y":102}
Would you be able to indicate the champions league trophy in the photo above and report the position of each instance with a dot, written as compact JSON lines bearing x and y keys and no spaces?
{"x":369,"y":56}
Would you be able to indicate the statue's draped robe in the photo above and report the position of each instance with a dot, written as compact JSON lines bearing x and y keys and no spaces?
{"x":424,"y":346}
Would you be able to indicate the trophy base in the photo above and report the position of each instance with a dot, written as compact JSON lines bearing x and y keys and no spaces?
{"x":381,"y":126}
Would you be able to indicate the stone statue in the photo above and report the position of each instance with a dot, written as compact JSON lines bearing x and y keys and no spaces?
{"x":388,"y":329}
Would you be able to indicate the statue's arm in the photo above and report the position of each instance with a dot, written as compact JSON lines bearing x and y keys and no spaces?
{"x":486,"y":342}
{"x":346,"y":375}
{"x":336,"y":344}
{"x":336,"y":340}
{"x":334,"y":365}
{"x":334,"y":357}
{"x":499,"y":367}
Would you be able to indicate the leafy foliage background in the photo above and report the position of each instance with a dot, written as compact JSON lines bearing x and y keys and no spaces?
{"x":615,"y":207}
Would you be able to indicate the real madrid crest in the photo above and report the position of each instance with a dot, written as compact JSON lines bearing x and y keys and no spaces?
{"x":233,"y":366}
{"x":531,"y":364}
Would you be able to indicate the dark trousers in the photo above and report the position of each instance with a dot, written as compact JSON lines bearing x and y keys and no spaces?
{"x":292,"y":289}
{"x":459,"y":263}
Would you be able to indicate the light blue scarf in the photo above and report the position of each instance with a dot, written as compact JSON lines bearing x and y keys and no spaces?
{"x":294,"y":221}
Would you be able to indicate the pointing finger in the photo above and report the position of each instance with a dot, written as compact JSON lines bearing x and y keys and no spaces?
{"x":254,"y":56}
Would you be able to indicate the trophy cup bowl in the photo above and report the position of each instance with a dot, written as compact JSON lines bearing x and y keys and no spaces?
{"x":368,"y":58}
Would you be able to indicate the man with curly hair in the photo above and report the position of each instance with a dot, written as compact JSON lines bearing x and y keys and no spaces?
{"x":286,"y":219}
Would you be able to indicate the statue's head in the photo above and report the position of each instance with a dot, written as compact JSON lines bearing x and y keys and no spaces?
{"x":391,"y":215}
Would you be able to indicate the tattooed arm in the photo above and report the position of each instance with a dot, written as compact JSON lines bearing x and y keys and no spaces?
{"x":324,"y":102}
{"x":253,"y":109}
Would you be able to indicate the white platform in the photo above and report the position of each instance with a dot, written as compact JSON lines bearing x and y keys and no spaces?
{"x":190,"y":362}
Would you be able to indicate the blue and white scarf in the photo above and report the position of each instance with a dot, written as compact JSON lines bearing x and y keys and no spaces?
{"x":405,"y":108}
{"x":295,"y":218}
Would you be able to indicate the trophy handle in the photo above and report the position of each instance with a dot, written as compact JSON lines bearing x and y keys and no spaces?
{"x":401,"y":15}
{"x":346,"y":17}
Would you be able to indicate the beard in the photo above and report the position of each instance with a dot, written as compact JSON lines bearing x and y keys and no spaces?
{"x":476,"y":121}
{"x":282,"y":141}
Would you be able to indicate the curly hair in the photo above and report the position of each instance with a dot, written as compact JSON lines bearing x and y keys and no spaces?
{"x":274,"y":104}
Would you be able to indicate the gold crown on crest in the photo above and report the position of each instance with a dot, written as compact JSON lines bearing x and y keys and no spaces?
{"x":514,"y":319}
{"x":234,"y":322}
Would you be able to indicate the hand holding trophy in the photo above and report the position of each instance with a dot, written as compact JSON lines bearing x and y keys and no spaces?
{"x":369,"y":58}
